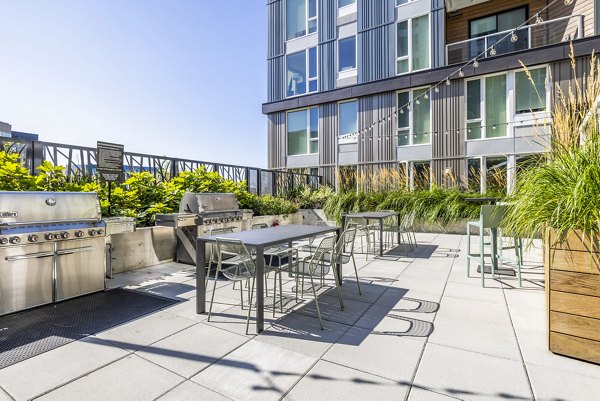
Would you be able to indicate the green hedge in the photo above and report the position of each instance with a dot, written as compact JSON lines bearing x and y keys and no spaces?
{"x":140,"y":196}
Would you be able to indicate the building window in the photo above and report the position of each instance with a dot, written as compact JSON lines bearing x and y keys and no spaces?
{"x":347,"y":54}
{"x":530,"y":94}
{"x":347,"y":118}
{"x":401,"y":2}
{"x":412,"y":45}
{"x":297,"y":66}
{"x":498,"y":23}
{"x":413,"y":122}
{"x":486,"y":108}
{"x":495,"y":176}
{"x":421,"y":175}
{"x":345,"y":3}
{"x":474,"y":175}
{"x":300,"y":18}
{"x":303,"y":132}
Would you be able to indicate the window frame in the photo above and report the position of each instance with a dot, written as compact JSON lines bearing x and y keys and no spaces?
{"x":339,"y":121}
{"x":517,"y":117}
{"x":482,"y":107}
{"x":412,"y":177}
{"x":306,"y":23}
{"x":411,"y":118}
{"x":352,"y":71}
{"x":409,"y":57}
{"x":307,"y":67}
{"x":403,"y":4}
{"x":308,"y":138}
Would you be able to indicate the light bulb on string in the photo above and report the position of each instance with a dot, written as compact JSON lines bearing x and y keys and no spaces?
{"x":568,"y":2}
{"x":514,"y":37}
{"x":426,"y":96}
{"x":461,"y":73}
{"x":538,"y":19}
{"x":493,"y":51}
{"x":417,"y":101}
{"x":476,"y":63}
{"x":437,"y":90}
{"x":447,"y":81}
{"x":401,"y":111}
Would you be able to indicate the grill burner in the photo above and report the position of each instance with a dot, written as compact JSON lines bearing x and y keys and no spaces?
{"x":51,"y":247}
{"x":199,"y":213}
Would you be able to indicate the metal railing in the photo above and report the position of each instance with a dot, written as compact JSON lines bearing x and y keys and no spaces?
{"x":546,"y":33}
{"x":80,"y":161}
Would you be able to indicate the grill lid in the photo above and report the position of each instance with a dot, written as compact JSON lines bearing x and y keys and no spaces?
{"x":27,"y":208}
{"x":203,"y":203}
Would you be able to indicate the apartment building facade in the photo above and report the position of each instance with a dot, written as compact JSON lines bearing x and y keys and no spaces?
{"x":364,"y":84}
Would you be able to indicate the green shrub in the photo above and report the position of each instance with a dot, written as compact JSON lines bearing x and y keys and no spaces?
{"x":269,"y":205}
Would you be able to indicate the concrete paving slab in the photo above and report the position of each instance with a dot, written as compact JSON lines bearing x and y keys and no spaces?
{"x":418,"y":394}
{"x":189,"y":351}
{"x":474,"y":312}
{"x":550,"y":384}
{"x":4,"y":396}
{"x":256,"y":371}
{"x":393,"y":357}
{"x":471,"y":376}
{"x":190,"y":391}
{"x":144,"y":331}
{"x":301,"y":333}
{"x":334,"y":382}
{"x":59,"y":366}
{"x":129,"y":379}
{"x":476,"y":293}
{"x":330,"y":309}
{"x":384,"y":321}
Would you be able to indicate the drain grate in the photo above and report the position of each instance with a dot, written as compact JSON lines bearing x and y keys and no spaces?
{"x":33,"y":332}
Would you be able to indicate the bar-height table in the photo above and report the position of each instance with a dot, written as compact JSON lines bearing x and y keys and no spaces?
{"x":259,"y":240}
{"x":379,"y":216}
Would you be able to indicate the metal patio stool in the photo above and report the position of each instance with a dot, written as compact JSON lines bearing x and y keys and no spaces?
{"x":343,"y":256}
{"x":363,"y":230}
{"x":405,"y":227}
{"x":490,"y":218}
{"x":213,"y":250}
{"x":310,"y":247}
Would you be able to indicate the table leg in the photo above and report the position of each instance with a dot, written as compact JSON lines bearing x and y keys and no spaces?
{"x":338,"y":266}
{"x":200,"y":277}
{"x":380,"y":237}
{"x":343,"y":228}
{"x":260,"y":280}
{"x":494,"y":247}
{"x":398,"y":231}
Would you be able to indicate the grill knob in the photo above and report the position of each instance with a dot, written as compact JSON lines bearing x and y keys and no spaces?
{"x":49,"y":236}
{"x":79,"y":234}
{"x":15,"y":240}
{"x":65,"y":235}
{"x":3,"y":241}
{"x":100,"y":232}
{"x":33,"y":238}
{"x":92,"y":233}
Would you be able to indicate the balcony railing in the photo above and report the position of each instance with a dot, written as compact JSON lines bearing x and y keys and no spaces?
{"x":546,"y":33}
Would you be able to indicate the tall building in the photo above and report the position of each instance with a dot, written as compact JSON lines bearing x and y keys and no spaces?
{"x":357,"y":85}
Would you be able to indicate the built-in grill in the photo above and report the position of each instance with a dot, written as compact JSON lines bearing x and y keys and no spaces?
{"x":199,"y":213}
{"x":52,"y":248}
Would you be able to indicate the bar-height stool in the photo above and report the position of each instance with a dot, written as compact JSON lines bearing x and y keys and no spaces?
{"x":213,"y":250}
{"x":490,"y":218}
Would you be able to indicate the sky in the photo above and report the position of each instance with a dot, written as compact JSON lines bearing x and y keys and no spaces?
{"x":179,"y":78}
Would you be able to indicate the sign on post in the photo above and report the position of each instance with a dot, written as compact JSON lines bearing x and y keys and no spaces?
{"x":110,"y":162}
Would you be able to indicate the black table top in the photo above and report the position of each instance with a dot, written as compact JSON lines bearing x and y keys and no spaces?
{"x":273,"y":235}
{"x":372,"y":215}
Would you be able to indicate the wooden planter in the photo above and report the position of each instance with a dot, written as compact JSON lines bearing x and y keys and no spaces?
{"x":572,"y":266}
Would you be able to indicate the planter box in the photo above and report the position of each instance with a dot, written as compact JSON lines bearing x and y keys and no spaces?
{"x":572,"y":268}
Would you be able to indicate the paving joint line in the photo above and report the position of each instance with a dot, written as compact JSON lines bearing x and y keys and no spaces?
{"x":433,"y":322}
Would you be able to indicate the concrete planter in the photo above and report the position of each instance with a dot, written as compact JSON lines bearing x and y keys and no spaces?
{"x":572,"y":269}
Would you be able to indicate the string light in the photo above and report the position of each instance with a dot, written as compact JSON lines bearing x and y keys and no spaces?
{"x":568,"y":2}
{"x":426,"y":96}
{"x":493,"y":51}
{"x":514,"y":37}
{"x":447,"y":81}
{"x":437,"y":90}
{"x":538,"y":19}
{"x":461,"y":73}
{"x":476,"y":63}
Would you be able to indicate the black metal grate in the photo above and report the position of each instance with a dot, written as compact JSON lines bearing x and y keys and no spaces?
{"x":33,"y":332}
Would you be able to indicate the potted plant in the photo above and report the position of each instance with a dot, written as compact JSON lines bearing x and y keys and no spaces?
{"x":559,"y":200}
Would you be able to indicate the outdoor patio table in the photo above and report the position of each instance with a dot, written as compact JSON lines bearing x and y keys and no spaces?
{"x":259,"y":240}
{"x":379,"y":216}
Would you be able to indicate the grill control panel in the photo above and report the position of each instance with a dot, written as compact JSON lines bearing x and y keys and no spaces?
{"x":10,"y":239}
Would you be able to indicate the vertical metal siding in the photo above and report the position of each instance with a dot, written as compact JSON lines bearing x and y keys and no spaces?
{"x":375,"y":40}
{"x":379,"y":143}
{"x":327,"y":35}
{"x":277,"y":141}
{"x":276,"y":50}
{"x":438,"y":33}
{"x":448,"y":141}
{"x":327,"y":140}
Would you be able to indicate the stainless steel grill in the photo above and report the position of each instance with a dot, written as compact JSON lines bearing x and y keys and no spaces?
{"x":199,"y":213}
{"x":115,"y":226}
{"x":52,"y":247}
